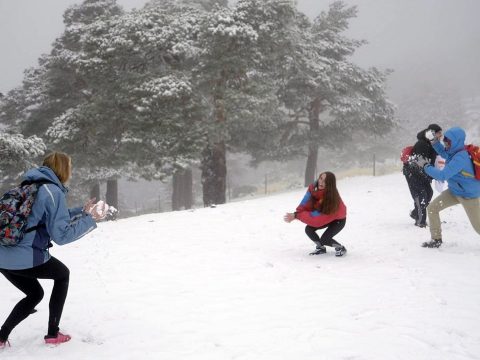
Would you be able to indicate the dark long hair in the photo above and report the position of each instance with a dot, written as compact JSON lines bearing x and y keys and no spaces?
{"x":331,"y":198}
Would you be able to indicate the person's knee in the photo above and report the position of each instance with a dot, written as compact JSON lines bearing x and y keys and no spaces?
{"x":477,"y":229}
{"x":37,"y":295}
{"x":309,"y":230}
{"x":433,"y":207}
{"x":476,"y":226}
{"x":66,"y":274}
{"x":63,"y":275}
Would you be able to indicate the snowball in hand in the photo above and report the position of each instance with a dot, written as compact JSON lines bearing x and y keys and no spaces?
{"x":101,"y":208}
{"x":430,"y":135}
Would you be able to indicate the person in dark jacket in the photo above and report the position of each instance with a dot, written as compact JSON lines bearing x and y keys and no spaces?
{"x":419,"y":183}
{"x":322,"y":208}
{"x":23,"y":264}
{"x":463,"y":187}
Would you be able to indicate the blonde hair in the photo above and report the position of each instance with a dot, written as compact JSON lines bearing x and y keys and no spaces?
{"x":61,"y":164}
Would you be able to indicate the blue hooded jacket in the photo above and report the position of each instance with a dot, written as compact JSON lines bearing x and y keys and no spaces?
{"x":458,"y":171}
{"x":62,"y":225}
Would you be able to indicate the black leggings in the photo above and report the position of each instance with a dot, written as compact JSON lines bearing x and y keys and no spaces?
{"x":333,"y":228}
{"x":26,"y":281}
{"x":422,"y":193}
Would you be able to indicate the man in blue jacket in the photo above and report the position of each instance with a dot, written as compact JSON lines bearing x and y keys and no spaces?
{"x":463,"y":188}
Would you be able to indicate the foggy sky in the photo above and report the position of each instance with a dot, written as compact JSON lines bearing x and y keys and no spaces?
{"x":429,"y":43}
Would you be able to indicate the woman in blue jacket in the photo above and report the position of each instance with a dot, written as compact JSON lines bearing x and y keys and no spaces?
{"x":463,"y":188}
{"x":23,"y":264}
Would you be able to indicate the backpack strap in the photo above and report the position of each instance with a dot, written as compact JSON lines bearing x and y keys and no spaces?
{"x":40,"y":183}
{"x":33,"y":228}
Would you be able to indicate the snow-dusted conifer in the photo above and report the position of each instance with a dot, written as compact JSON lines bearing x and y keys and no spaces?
{"x":17,"y":154}
{"x":235,"y":44}
{"x":325,"y":94}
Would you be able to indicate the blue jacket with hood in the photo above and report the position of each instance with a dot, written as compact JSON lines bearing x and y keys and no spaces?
{"x":62,"y":225}
{"x":458,"y":171}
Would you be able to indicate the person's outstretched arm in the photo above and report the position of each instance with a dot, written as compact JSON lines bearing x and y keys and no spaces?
{"x":60,"y":227}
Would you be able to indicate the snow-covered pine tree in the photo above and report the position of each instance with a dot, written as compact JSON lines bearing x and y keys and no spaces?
{"x":207,"y":5}
{"x":231,"y":75}
{"x":363,"y":116}
{"x":318,"y":84}
{"x":17,"y":154}
{"x":24,"y":108}
{"x":143,"y":110}
{"x":55,"y":89}
{"x":77,"y":128}
{"x":255,"y":126}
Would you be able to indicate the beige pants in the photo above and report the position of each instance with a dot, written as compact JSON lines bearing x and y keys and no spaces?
{"x":445,"y":200}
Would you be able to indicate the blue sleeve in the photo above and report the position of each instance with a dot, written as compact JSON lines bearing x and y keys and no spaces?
{"x":306,"y":198}
{"x":302,"y":206}
{"x":61,"y":228}
{"x":440,"y":149}
{"x":451,"y":168}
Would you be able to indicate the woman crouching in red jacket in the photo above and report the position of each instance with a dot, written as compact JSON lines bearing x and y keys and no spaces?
{"x":322,"y":208}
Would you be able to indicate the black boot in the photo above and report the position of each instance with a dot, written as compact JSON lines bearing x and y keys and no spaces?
{"x":413,"y":214}
{"x":434,"y":243}
{"x":340,"y":250}
{"x":319,"y":250}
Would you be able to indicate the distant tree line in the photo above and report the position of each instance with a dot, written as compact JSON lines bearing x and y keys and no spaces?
{"x":152,"y":92}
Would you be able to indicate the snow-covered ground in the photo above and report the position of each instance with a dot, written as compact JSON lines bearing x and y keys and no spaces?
{"x":236,"y":282}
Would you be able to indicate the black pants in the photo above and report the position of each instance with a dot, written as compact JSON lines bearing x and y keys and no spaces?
{"x":332,"y":229}
{"x":422,"y":193}
{"x":26,"y":281}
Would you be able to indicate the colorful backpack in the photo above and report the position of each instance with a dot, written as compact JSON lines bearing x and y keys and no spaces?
{"x":474,"y":152}
{"x":406,"y":153}
{"x":15,"y":207}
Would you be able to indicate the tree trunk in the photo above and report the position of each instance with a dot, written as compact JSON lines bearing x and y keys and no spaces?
{"x":313,"y":142}
{"x":95,"y":191}
{"x":311,"y":168}
{"x":214,"y":157}
{"x":112,"y":193}
{"x":177,"y":190}
{"x":182,"y":195}
{"x":214,"y":174}
{"x":188,"y":188}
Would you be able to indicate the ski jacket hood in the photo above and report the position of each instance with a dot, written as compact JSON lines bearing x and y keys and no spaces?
{"x":457,"y":137}
{"x":44,"y":173}
{"x":421,"y":135}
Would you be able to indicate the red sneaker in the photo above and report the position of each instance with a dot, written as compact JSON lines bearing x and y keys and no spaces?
{"x":3,"y":344}
{"x":55,"y":340}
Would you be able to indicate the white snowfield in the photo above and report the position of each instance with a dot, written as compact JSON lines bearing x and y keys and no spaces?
{"x":236,"y":282}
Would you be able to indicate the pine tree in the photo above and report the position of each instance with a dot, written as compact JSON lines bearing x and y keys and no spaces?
{"x":231,"y":75}
{"x":56,"y":91}
{"x":143,"y":111}
{"x":17,"y":154}
{"x":324,"y":93}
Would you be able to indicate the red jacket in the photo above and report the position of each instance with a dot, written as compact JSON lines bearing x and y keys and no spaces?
{"x":308,"y":213}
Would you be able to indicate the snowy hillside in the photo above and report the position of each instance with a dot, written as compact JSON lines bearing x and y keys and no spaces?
{"x":236,"y":282}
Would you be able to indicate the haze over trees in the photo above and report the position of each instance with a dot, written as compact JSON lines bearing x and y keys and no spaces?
{"x":176,"y":85}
